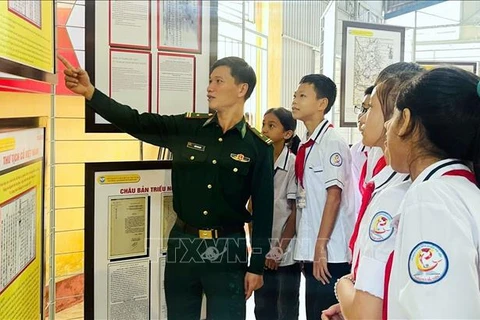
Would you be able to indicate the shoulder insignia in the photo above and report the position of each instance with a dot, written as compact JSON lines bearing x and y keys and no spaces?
{"x":196,"y":115}
{"x":260,"y":135}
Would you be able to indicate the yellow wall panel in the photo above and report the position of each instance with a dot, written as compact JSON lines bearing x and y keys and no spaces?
{"x":70,"y":106}
{"x":69,"y":174}
{"x":69,"y":219}
{"x":68,"y":241}
{"x":70,"y":263}
{"x":275,"y":55}
{"x":150,"y":152}
{"x":67,"y":197}
{"x":74,"y":129}
{"x":93,"y":151}
{"x":15,"y":105}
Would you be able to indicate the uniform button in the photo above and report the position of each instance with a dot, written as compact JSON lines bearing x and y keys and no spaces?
{"x":192,"y":157}
{"x":235,"y":169}
{"x":220,"y":139}
{"x":205,"y":212}
{"x":209,"y":186}
{"x":214,"y":161}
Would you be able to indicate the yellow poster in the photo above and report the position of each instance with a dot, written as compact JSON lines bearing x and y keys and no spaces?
{"x":21,"y":202}
{"x":26,"y":33}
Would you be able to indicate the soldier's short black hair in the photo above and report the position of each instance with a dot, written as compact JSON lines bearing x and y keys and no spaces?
{"x":324,"y":88}
{"x":240,"y":70}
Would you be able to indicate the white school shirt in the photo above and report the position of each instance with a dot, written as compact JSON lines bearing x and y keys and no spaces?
{"x":376,"y":238}
{"x":285,"y":188}
{"x":436,"y":267}
{"x":359,"y":157}
{"x":327,"y":164}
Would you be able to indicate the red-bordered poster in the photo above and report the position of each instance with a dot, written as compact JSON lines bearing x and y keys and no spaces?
{"x":175,"y":83}
{"x":130,"y":24}
{"x":180,"y":26}
{"x":130,"y":78}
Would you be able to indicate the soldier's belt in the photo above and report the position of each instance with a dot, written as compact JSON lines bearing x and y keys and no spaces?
{"x":208,"y":233}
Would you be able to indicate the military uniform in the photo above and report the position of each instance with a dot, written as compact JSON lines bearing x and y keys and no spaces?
{"x":213,"y":175}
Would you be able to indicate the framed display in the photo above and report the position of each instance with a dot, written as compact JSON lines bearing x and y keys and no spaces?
{"x":468,"y":66}
{"x":27,"y":42}
{"x":130,"y":24}
{"x":180,"y":26}
{"x":22,"y":177}
{"x":366,"y":50}
{"x":176,"y":83}
{"x":123,"y":200}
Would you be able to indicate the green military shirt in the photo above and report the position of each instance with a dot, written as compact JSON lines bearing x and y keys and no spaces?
{"x":214,"y":173}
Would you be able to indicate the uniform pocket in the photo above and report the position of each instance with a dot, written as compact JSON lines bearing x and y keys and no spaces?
{"x":317,"y":169}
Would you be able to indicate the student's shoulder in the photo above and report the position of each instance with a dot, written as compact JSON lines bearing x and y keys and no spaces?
{"x":334,"y":140}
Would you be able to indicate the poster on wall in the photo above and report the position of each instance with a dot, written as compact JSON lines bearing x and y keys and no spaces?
{"x":180,"y":26}
{"x":125,"y":60}
{"x":124,"y":224}
{"x":27,"y":39}
{"x":176,"y":83}
{"x":467,"y":66}
{"x":21,"y":223}
{"x":366,"y":50}
{"x":130,"y":24}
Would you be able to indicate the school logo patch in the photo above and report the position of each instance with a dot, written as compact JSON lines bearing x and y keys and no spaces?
{"x":381,"y":227}
{"x":427,"y":263}
{"x":336,"y":159}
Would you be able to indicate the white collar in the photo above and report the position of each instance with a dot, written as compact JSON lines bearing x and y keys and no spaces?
{"x":439,"y":168}
{"x":319,"y":132}
{"x":282,"y":159}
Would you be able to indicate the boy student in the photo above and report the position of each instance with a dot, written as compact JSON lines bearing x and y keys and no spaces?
{"x":325,"y":197}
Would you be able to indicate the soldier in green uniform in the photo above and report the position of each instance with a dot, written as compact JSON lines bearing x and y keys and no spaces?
{"x":219,"y":161}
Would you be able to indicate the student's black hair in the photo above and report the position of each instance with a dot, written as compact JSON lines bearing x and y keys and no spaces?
{"x":369,"y":90}
{"x":445,"y":110}
{"x":240,"y":70}
{"x":324,"y":88}
{"x":396,"y":68}
{"x":288,"y":123}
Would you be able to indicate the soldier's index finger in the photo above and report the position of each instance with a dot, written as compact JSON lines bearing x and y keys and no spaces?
{"x":65,"y":62}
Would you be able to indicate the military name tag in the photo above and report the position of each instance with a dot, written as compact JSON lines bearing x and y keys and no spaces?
{"x":195,"y":146}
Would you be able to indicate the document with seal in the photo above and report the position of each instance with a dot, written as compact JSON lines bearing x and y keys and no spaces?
{"x":128,"y":217}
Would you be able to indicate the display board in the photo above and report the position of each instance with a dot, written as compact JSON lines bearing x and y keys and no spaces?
{"x":468,"y":66}
{"x":128,"y":217}
{"x":27,"y":39}
{"x":366,"y":50}
{"x":130,"y":59}
{"x":21,"y":223}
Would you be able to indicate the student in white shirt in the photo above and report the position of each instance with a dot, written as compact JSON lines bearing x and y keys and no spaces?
{"x":359,"y":151}
{"x":325,"y":198}
{"x":435,"y":137}
{"x":361,"y":293}
{"x":278,"y":299}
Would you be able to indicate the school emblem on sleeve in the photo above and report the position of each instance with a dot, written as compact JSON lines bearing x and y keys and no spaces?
{"x":428,"y":263}
{"x":381,"y":227}
{"x":336,"y":159}
{"x":239,"y":157}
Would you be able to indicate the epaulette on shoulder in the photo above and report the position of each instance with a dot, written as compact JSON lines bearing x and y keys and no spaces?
{"x":196,"y":115}
{"x":262,"y":137}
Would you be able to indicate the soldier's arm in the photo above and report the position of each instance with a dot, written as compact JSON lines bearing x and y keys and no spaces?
{"x":262,"y":203}
{"x":148,"y":127}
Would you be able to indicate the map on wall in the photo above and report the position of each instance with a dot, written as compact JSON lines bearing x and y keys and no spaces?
{"x":366,"y":50}
{"x":371,"y":56}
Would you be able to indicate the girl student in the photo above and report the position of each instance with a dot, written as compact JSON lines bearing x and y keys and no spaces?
{"x":279,"y":296}
{"x":360,"y":294}
{"x":435,"y":137}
